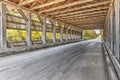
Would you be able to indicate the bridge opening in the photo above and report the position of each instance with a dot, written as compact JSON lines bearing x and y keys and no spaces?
{"x":92,"y":34}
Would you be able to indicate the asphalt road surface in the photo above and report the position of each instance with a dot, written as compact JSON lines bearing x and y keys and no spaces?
{"x":75,"y":61}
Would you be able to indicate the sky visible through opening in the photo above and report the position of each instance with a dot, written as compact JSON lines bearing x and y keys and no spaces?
{"x":97,"y":31}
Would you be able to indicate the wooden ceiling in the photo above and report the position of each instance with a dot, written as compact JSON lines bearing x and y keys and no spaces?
{"x":85,"y":14}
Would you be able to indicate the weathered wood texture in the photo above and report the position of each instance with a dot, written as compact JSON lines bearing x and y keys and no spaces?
{"x":3,"y":26}
{"x":28,"y":29}
{"x":44,"y":31}
{"x":112,"y":28}
{"x":60,"y":10}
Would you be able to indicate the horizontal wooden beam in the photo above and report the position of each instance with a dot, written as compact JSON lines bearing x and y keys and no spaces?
{"x":84,"y":17}
{"x":83,"y":22}
{"x":80,"y":22}
{"x":91,"y":28}
{"x":26,"y":2}
{"x":80,"y":15}
{"x":75,"y":22}
{"x":83,"y":11}
{"x":79,"y":8}
{"x":66,"y":5}
{"x":89,"y":23}
{"x":47,"y":4}
{"x":100,"y":24}
{"x":92,"y":20}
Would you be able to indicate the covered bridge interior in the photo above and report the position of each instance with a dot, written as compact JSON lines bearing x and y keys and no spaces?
{"x":66,"y":18}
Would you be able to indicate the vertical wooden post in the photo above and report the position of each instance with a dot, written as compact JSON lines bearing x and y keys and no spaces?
{"x":61,"y":38}
{"x":3,"y":26}
{"x":117,"y":29}
{"x":108,"y":32}
{"x":28,"y":29}
{"x":70,"y":34}
{"x":44,"y":31}
{"x":81,"y":34}
{"x":54,"y":33}
{"x":66,"y":34}
{"x":111,"y":26}
{"x":77,"y":35}
{"x":73,"y":34}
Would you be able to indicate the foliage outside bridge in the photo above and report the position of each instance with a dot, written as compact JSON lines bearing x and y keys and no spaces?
{"x":89,"y":34}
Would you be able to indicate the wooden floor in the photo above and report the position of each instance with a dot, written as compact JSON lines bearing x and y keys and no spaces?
{"x":76,"y":61}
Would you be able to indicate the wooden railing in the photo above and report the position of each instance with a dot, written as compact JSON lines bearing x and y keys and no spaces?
{"x":16,"y":43}
{"x":36,"y":42}
{"x":57,"y":40}
{"x":49,"y":41}
{"x":114,"y":61}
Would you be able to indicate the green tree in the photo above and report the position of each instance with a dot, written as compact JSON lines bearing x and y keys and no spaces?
{"x":89,"y":34}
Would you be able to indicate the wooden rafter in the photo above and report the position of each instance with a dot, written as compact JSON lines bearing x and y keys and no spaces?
{"x":82,"y":7}
{"x":88,"y":23}
{"x":74,"y":22}
{"x":66,"y":5}
{"x":100,"y":20}
{"x":85,"y":22}
{"x":80,"y":15}
{"x":84,"y":25}
{"x":72,"y":12}
{"x":84,"y":11}
{"x":26,"y":2}
{"x":21,"y":1}
{"x":47,"y":4}
{"x":85,"y":17}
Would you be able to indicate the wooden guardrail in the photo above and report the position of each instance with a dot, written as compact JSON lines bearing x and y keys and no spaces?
{"x":17,"y":43}
{"x":114,"y":61}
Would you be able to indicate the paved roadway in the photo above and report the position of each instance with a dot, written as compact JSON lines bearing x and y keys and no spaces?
{"x":76,"y":61}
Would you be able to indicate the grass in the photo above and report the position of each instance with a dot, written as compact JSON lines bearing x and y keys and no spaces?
{"x":87,"y":38}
